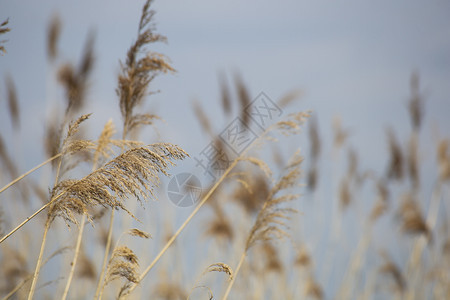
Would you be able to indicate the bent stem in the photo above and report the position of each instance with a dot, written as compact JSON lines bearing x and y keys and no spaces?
{"x":28,"y":219}
{"x":39,"y":210}
{"x":230,"y":285}
{"x":29,"y":172}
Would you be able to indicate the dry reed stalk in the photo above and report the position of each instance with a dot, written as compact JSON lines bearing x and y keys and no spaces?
{"x":133,"y":82}
{"x":24,"y":222}
{"x":217,"y":267}
{"x":123,"y":252}
{"x":69,"y":148}
{"x":103,"y":268}
{"x":133,"y":172}
{"x":289,"y":126}
{"x":180,"y":229}
{"x":352,"y":273}
{"x":103,"y":142}
{"x":238,"y":267}
{"x":39,"y":261}
{"x":28,"y":173}
{"x":133,"y":183}
{"x":68,"y":145}
{"x":123,"y":264}
{"x":117,"y":176}
{"x":138,"y":72}
{"x":271,"y":219}
{"x":75,"y":257}
{"x":30,"y":276}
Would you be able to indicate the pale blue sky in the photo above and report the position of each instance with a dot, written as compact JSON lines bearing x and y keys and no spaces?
{"x":350,"y":58}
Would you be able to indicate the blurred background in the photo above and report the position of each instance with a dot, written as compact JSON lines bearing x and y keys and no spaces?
{"x":353,"y":63}
{"x":350,"y":59}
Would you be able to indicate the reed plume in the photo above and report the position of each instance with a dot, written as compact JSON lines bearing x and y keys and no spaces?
{"x":75,"y":80}
{"x":123,"y":264}
{"x":220,"y":267}
{"x":271,"y":220}
{"x":412,"y":220}
{"x":3,"y":29}
{"x":137,"y":72}
{"x":134,"y":172}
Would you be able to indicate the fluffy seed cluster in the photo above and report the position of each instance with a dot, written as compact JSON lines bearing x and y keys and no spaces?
{"x":134,"y":173}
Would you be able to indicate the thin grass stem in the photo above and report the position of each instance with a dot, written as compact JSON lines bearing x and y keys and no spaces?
{"x":38,"y":264}
{"x":29,"y":172}
{"x":100,"y":285}
{"x":236,"y":271}
{"x":75,"y":257}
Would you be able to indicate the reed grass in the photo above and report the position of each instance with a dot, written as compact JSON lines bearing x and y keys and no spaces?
{"x":259,"y":231}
